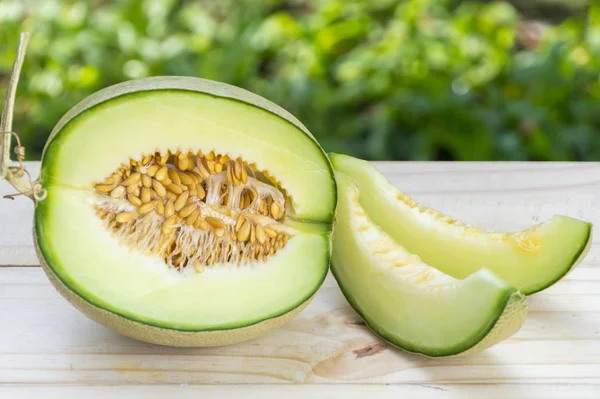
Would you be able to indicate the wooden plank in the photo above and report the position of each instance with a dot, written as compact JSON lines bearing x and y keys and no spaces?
{"x":48,"y":348}
{"x":49,"y":342}
{"x":388,"y":391}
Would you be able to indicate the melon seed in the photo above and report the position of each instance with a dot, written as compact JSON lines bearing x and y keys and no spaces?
{"x":159,"y":188}
{"x":187,"y":210}
{"x":163,"y":159}
{"x":183,"y":163}
{"x":201,"y":224}
{"x":147,"y":208}
{"x":175,"y":189}
{"x":260,"y":234}
{"x":171,"y":196}
{"x":146,"y":181}
{"x":124,"y":217}
{"x":275,"y":210}
{"x":104,"y":188}
{"x":152,"y":170}
{"x":216,"y":223}
{"x":200,"y":193}
{"x":160,"y":208}
{"x":134,"y":178}
{"x":192,"y":217}
{"x":118,"y":192}
{"x":186,"y":179}
{"x":134,"y":200}
{"x":174,"y":176}
{"x":161,"y":174}
{"x":181,"y":201}
{"x":146,"y":195}
{"x":132,"y":189}
{"x":219,"y":232}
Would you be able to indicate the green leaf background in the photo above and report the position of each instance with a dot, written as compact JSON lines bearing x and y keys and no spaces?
{"x":378,"y":79}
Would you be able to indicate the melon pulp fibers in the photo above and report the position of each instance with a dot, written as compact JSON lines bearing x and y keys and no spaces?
{"x":272,"y":174}
{"x":529,"y":260}
{"x":410,"y":304}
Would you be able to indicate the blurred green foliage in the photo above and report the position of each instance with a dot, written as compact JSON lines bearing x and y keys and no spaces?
{"x":379,"y":79}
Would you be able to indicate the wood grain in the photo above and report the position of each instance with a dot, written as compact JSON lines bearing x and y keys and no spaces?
{"x":330,"y":391}
{"x":47,"y":347}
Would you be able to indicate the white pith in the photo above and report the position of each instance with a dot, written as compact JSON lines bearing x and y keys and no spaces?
{"x":144,"y":234}
{"x":261,"y":190}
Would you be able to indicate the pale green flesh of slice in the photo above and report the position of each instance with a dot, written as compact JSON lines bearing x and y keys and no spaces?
{"x":459,"y":250}
{"x":100,"y":139}
{"x":409,"y":313}
{"x":91,"y":262}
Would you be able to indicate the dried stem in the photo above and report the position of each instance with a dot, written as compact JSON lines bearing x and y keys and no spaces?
{"x":16,"y":175}
{"x":7,"y":112}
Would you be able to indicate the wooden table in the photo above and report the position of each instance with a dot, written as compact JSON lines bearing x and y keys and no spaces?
{"x":48,"y":348}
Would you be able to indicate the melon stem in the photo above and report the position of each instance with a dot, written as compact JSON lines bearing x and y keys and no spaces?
{"x":16,"y":174}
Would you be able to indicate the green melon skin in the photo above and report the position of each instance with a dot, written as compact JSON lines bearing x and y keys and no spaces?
{"x":412,"y":305}
{"x":459,"y":250}
{"x":138,"y":295}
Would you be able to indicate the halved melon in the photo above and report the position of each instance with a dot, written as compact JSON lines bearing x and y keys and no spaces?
{"x":184,"y":212}
{"x":529,"y":260}
{"x":410,"y":304}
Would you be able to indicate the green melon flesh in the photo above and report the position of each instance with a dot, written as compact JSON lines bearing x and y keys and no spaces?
{"x":410,"y":304}
{"x":102,"y":137}
{"x":530,"y":260}
{"x":90,"y":261}
{"x":141,"y":117}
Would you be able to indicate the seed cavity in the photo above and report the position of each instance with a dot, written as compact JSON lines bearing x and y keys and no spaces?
{"x":194,"y":209}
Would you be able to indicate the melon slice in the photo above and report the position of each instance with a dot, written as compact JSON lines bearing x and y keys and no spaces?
{"x":409,"y":303}
{"x":185,"y":212}
{"x":529,"y":260}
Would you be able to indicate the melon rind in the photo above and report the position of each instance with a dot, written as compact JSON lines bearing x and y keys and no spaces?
{"x":164,"y":336}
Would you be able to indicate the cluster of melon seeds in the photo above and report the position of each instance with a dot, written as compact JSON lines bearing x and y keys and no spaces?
{"x":194,"y":209}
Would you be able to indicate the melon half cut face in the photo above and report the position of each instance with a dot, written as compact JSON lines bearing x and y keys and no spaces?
{"x":185,"y":205}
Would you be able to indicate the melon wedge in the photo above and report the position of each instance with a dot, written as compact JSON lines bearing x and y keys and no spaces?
{"x":410,"y":304}
{"x":529,"y":260}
